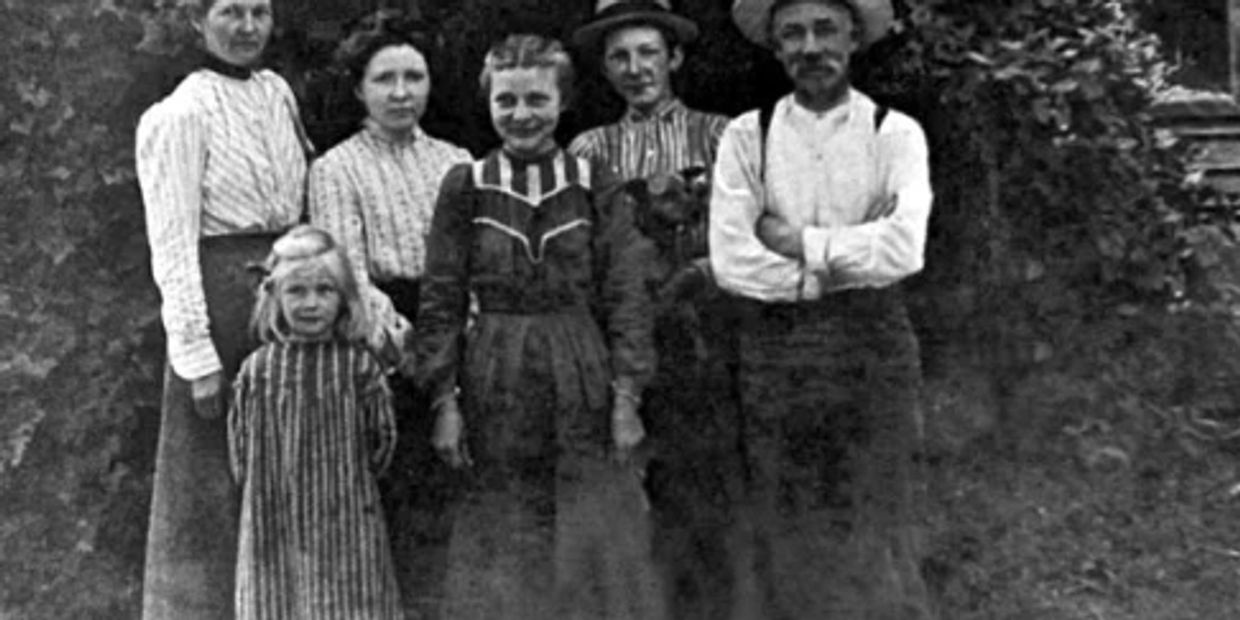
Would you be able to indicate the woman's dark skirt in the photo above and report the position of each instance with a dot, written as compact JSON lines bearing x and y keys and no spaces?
{"x":192,"y":541}
{"x":829,"y":524}
{"x":418,"y":489}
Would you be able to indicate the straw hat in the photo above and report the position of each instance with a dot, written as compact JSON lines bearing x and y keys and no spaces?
{"x":753,"y":18}
{"x":609,"y":14}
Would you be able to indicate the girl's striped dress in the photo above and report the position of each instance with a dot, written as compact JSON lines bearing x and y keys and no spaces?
{"x":310,"y":428}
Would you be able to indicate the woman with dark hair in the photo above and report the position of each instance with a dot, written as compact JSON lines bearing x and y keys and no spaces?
{"x":541,"y":395}
{"x":221,"y":163}
{"x":375,"y":193}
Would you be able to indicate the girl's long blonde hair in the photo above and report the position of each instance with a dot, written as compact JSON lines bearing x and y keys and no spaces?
{"x":307,"y":246}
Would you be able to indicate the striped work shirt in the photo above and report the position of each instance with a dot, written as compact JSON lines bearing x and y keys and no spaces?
{"x":219,"y":155}
{"x":668,"y":140}
{"x":376,"y":196}
{"x":310,"y":428}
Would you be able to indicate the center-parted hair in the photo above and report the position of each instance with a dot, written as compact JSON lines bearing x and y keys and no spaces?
{"x":306,"y":247}
{"x":529,"y":51}
{"x":376,"y":32}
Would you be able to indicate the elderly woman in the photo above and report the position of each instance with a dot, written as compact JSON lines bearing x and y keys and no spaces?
{"x":221,"y":162}
{"x":546,"y":385}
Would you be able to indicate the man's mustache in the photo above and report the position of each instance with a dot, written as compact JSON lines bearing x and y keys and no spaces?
{"x":818,"y":62}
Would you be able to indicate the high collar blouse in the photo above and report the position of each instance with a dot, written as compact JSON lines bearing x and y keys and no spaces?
{"x":221,"y":154}
{"x":376,"y":194}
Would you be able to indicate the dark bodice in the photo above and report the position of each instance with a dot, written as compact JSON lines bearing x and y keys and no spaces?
{"x":533,"y":240}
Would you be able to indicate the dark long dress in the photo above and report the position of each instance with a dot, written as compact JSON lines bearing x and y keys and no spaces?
{"x":556,"y":268}
{"x":194,"y":505}
{"x":310,"y":428}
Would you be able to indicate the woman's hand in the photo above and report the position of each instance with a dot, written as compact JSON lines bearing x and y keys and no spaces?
{"x":627,"y":430}
{"x":208,"y":402}
{"x":447,"y":437}
{"x":780,"y":236}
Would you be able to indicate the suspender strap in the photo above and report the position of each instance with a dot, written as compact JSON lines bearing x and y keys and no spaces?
{"x":767,"y":112}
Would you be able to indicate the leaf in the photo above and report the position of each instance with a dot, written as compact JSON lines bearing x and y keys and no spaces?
{"x":1065,"y":86}
{"x":22,"y":365}
{"x":23,"y":126}
{"x":1042,"y":352}
{"x":979,"y":58}
{"x":33,"y":94}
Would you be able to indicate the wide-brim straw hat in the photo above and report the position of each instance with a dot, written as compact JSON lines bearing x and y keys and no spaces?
{"x":611,"y":14}
{"x":753,"y":18}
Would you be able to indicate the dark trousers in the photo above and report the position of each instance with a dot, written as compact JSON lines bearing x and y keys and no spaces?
{"x":418,"y":489}
{"x":694,"y":479}
{"x":828,"y":522}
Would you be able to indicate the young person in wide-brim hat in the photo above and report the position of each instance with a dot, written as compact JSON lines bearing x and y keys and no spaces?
{"x":611,"y":14}
{"x":664,"y":150}
{"x":819,"y":208}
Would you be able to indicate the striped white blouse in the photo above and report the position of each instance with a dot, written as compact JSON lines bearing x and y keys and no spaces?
{"x":219,"y":155}
{"x":376,"y":196}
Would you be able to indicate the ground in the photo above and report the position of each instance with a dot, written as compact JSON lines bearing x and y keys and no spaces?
{"x":1018,"y":534}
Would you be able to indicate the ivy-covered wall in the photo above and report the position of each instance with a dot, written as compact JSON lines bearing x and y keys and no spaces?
{"x":1064,"y":276}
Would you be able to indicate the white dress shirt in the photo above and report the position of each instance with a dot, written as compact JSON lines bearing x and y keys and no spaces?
{"x":825,"y":171}
{"x":219,"y":155}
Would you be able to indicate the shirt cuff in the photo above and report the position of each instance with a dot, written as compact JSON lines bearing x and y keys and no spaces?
{"x":193,"y":359}
{"x":815,"y":242}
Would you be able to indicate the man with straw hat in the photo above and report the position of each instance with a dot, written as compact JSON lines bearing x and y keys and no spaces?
{"x":665,"y":151}
{"x":818,"y":210}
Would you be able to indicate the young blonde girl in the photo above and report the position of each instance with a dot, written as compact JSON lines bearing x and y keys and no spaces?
{"x":310,"y":428}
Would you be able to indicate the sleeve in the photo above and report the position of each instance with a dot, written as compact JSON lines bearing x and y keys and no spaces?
{"x":740,"y":262}
{"x":294,"y":110}
{"x":715,"y":127}
{"x":622,"y":257}
{"x":336,"y":206}
{"x":460,"y":156}
{"x":891,"y":246}
{"x":378,"y":416}
{"x":587,"y":145}
{"x":444,"y":301}
{"x":171,"y":159}
{"x":238,"y":423}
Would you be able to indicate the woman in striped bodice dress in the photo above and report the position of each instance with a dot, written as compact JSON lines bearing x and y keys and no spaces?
{"x":310,"y":428}
{"x":222,"y":164}
{"x":541,"y":394}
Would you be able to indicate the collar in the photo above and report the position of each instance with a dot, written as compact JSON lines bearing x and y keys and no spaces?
{"x":837,"y":115}
{"x":224,"y":68}
{"x":376,"y":133}
{"x":665,"y":109}
{"x":521,"y":160}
